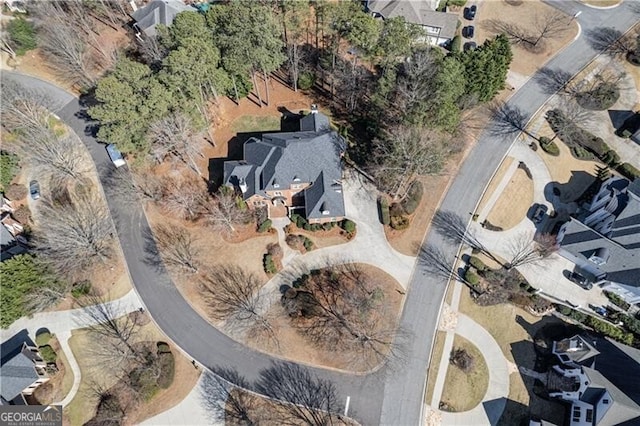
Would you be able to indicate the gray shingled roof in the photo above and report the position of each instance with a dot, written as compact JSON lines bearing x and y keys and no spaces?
{"x":620,"y":409}
{"x":159,"y":12}
{"x":623,"y":243}
{"x":417,"y":12}
{"x":576,"y":348}
{"x":17,"y":371}
{"x":280,"y":159}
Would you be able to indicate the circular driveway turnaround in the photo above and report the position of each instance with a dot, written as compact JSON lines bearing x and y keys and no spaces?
{"x":378,"y":398}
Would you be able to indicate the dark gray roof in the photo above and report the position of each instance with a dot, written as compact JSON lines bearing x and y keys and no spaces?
{"x":620,"y":409}
{"x":417,"y":12}
{"x":281,"y":159}
{"x":315,"y":123}
{"x":6,"y":238}
{"x":622,"y":243}
{"x":17,"y":371}
{"x":575,"y":348}
{"x":159,"y":12}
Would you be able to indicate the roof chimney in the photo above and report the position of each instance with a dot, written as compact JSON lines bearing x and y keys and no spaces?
{"x":314,"y":109}
{"x":243,"y":185}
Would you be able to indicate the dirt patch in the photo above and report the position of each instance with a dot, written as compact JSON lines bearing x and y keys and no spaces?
{"x":464,"y":390}
{"x":495,"y":181}
{"x":524,"y":62}
{"x":294,"y":346}
{"x":436,"y":356}
{"x":514,"y":202}
{"x":572,"y":176}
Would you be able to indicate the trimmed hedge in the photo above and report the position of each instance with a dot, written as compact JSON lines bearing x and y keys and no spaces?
{"x":167,"y":369}
{"x":385,"y":215}
{"x":265,"y":226}
{"x":308,"y":244}
{"x":269,"y":265}
{"x":399,"y":222}
{"x":478,"y":264}
{"x":573,"y":135}
{"x":411,"y":202}
{"x":549,"y":146}
{"x":617,"y":300}
{"x":471,"y":277}
{"x":629,"y":171}
{"x":48,"y":354}
{"x":348,"y":225}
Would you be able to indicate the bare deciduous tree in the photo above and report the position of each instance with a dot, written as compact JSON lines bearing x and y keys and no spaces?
{"x":507,"y":119}
{"x":76,"y":235}
{"x":233,"y":295}
{"x":525,"y":250}
{"x":152,"y":51}
{"x":404,"y":153}
{"x":543,"y":27}
{"x":226,"y":211}
{"x":343,"y":310}
{"x":184,"y":197}
{"x":177,"y":247}
{"x":309,"y":400}
{"x":24,"y":109}
{"x":554,"y":80}
{"x":173,"y":136}
{"x":611,"y":41}
{"x":131,"y":184}
{"x":223,"y":394}
{"x":45,"y":297}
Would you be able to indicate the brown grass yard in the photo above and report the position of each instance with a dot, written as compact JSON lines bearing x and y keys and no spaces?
{"x":514,"y":202}
{"x":436,"y":355}
{"x":524,"y":62}
{"x":463,"y":391}
{"x":506,"y":323}
{"x":495,"y":181}
{"x":82,"y":407}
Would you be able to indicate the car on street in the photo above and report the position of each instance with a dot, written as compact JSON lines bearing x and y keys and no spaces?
{"x":580,"y":280}
{"x":34,"y":189}
{"x":470,"y":12}
{"x":600,"y":311}
{"x":468,"y":32}
{"x":539,"y":213}
{"x":470,"y":46}
{"x":115,"y":155}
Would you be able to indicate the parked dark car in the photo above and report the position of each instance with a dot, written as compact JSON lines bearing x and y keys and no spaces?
{"x":468,"y":32}
{"x":470,"y":12}
{"x":581,"y":281}
{"x":470,"y":46}
{"x":34,"y":189}
{"x":539,"y":213}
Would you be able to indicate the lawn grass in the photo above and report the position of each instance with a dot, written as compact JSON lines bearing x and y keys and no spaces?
{"x":436,"y":356}
{"x":256,"y":123}
{"x":512,"y":205}
{"x":463,"y":391}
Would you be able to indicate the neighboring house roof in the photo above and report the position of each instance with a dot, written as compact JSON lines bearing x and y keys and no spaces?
{"x":417,"y":12}
{"x":620,"y":409}
{"x":620,"y":241}
{"x":17,"y":370}
{"x":278,"y":160}
{"x":6,"y":237}
{"x":576,"y":349}
{"x":159,"y":12}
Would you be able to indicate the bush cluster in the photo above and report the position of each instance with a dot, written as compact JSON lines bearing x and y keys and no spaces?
{"x":349,"y":226}
{"x":399,"y":222}
{"x":48,"y":354}
{"x":549,"y":146}
{"x":629,"y":171}
{"x":265,"y":226}
{"x":269,"y":264}
{"x":411,"y":202}
{"x":599,"y":325}
{"x":471,"y":277}
{"x":477,"y":263}
{"x":306,"y":80}
{"x":617,"y":300}
{"x":385,"y":215}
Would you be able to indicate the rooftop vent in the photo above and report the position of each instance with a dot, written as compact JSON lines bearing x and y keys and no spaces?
{"x":314,"y":109}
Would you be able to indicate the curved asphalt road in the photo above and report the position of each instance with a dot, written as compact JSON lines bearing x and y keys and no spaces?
{"x":389,"y":397}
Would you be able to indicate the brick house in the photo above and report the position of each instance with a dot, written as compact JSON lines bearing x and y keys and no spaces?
{"x":293,"y":172}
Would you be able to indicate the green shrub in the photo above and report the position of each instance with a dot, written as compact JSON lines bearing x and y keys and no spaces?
{"x":167,"y":369}
{"x":43,"y":338}
{"x":8,"y":169}
{"x":564,"y":310}
{"x":456,"y":44}
{"x":549,"y":147}
{"x":602,"y":97}
{"x":163,"y":348}
{"x":308,"y":244}
{"x":573,"y":135}
{"x":581,"y":153}
{"x":611,"y":157}
{"x":348,"y":225}
{"x":269,"y":264}
{"x":385,"y":216}
{"x":265,"y":226}
{"x":412,"y":200}
{"x":315,"y":227}
{"x":298,"y":220}
{"x":629,"y":171}
{"x":47,"y":353}
{"x":81,"y":289}
{"x":306,"y":227}
{"x":578,"y":316}
{"x":22,"y":35}
{"x":477,"y":263}
{"x":617,"y":300}
{"x":399,"y":222}
{"x":306,"y":80}
{"x":632,"y":324}
{"x":471,"y":277}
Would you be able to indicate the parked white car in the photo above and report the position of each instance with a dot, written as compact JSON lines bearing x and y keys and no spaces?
{"x":115,"y":155}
